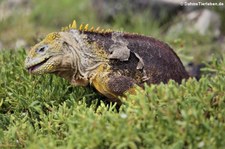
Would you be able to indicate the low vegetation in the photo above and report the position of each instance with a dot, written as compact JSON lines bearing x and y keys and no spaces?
{"x":46,"y":112}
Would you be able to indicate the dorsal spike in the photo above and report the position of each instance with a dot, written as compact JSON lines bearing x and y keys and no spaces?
{"x":92,"y":29}
{"x":81,"y":27}
{"x":97,"y":29}
{"x":108,"y":30}
{"x":74,"y":24}
{"x":86,"y":27}
{"x":102,"y":31}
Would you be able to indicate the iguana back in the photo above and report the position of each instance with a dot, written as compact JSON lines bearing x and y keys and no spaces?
{"x":159,"y":61}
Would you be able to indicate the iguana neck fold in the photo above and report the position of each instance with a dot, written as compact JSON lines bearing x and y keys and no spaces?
{"x":83,"y":57}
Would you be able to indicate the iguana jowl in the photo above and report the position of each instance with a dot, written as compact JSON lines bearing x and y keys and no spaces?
{"x":112,"y":62}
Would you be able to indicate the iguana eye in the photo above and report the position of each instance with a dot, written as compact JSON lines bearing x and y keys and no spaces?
{"x":42,"y":49}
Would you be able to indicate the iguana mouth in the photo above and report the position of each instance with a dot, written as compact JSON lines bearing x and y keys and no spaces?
{"x":36,"y":66}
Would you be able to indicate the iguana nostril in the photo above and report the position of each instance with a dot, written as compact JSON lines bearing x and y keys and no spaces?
{"x":27,"y":59}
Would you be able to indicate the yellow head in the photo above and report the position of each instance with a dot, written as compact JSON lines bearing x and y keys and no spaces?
{"x":46,"y":56}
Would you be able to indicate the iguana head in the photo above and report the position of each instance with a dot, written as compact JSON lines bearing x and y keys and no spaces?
{"x":66,"y":54}
{"x":46,"y":56}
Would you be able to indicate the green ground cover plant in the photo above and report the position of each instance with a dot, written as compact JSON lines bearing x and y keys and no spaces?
{"x":46,"y":112}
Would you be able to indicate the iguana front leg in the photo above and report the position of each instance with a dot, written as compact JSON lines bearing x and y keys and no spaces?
{"x":113,"y":85}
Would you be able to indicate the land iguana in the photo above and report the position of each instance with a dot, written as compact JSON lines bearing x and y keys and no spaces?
{"x":110,"y":61}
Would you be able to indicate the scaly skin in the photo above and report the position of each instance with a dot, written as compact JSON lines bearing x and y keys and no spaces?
{"x":113,"y":62}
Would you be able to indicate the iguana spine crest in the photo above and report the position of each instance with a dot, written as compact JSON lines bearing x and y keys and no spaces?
{"x":85,"y":27}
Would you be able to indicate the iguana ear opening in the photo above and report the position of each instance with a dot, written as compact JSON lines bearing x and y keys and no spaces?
{"x":65,"y":46}
{"x":64,"y":43}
